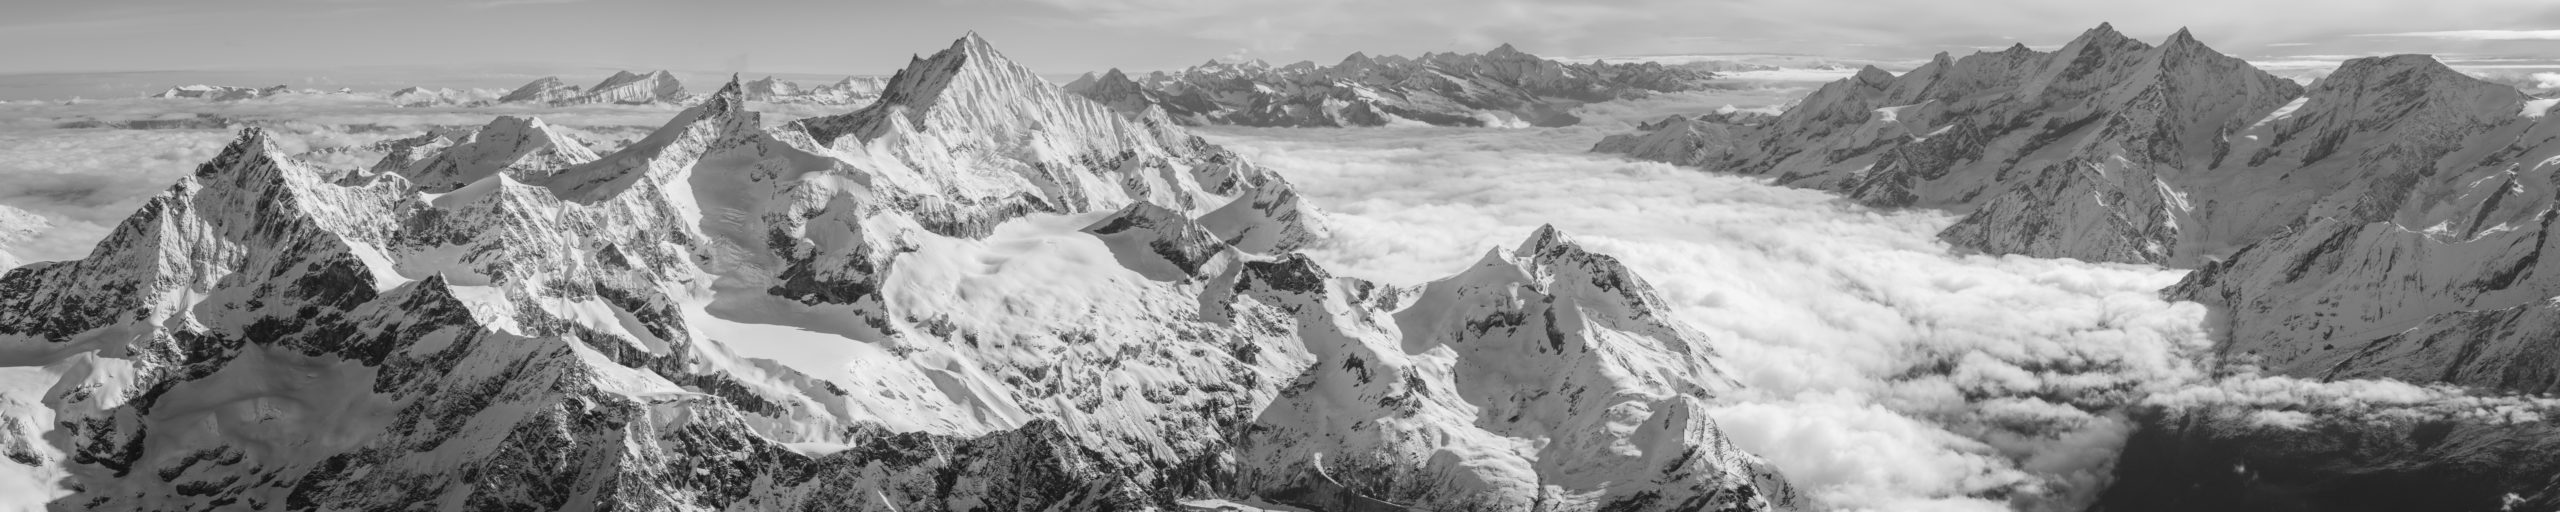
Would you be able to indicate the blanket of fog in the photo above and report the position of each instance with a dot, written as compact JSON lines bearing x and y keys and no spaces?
{"x":1882,"y":370}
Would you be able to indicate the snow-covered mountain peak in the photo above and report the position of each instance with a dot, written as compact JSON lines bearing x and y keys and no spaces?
{"x":1547,"y":236}
{"x":972,"y":43}
{"x":2105,"y":31}
{"x":521,"y":148}
{"x":726,"y":316}
{"x":2180,"y":38}
{"x":969,"y":88}
{"x":542,"y":90}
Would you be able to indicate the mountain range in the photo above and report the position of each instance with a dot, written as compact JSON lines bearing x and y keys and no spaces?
{"x":2387,"y":221}
{"x":1503,"y":87}
{"x":979,"y":292}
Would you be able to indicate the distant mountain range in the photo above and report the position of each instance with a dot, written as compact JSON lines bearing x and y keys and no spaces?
{"x":622,"y":88}
{"x":1503,"y":87}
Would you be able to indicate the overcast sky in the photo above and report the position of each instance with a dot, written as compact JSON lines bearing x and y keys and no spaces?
{"x":1065,"y":36}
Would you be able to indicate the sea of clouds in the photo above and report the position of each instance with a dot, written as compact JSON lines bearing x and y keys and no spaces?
{"x":1882,"y":370}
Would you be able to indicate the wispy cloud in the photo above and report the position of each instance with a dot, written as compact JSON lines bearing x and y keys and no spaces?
{"x":2478,"y":35}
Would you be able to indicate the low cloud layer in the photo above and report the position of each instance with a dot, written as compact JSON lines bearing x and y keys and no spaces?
{"x":1882,"y":370}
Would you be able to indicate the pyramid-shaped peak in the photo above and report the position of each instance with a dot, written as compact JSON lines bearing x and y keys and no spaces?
{"x":1875,"y":76}
{"x":1356,"y":57}
{"x":969,"y":88}
{"x":2018,"y":48}
{"x":1505,"y":50}
{"x":2181,"y":36}
{"x":513,"y":124}
{"x":1547,"y":236}
{"x":253,"y":145}
{"x":1113,"y":74}
{"x":252,"y":137}
{"x":731,"y":98}
{"x":973,"y":43}
{"x":2103,"y":33}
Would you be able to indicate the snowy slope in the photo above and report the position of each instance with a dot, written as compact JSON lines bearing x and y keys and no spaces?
{"x":543,"y":90}
{"x":980,"y":292}
{"x":525,"y":149}
{"x":1503,"y":87}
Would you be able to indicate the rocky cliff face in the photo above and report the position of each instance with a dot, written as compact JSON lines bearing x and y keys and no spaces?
{"x":2422,"y":258}
{"x":979,"y":292}
{"x":2086,"y":152}
{"x":2396,"y":205}
{"x":1504,"y":87}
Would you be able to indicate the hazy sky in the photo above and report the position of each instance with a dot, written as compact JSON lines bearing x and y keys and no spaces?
{"x":1064,"y":36}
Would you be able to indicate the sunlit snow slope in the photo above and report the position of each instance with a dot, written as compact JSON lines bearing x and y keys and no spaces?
{"x":979,"y":292}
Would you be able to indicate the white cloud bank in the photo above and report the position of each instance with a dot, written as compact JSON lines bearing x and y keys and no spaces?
{"x":1882,"y":371}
